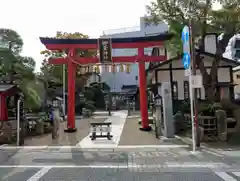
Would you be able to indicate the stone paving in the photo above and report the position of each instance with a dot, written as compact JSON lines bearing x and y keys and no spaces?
{"x":131,"y":135}
{"x":117,"y":119}
{"x":83,"y":128}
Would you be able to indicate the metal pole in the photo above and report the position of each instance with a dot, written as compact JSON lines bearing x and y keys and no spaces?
{"x":64,"y":86}
{"x":109,"y":103}
{"x":193,"y":66}
{"x":192,"y":110}
{"x":18,"y":121}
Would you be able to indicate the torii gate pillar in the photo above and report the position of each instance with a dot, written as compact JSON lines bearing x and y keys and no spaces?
{"x":143,"y":93}
{"x":71,"y":94}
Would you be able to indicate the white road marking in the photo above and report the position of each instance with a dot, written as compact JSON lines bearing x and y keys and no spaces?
{"x":24,"y":147}
{"x":236,"y":173}
{"x":195,"y":165}
{"x":108,"y":147}
{"x":39,"y":174}
{"x":212,"y":152}
{"x":153,"y":146}
{"x":166,"y":165}
{"x":225,"y":176}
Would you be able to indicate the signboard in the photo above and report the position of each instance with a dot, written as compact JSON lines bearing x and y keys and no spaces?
{"x":197,"y":81}
{"x":105,"y":50}
{"x":186,"y":60}
{"x":187,"y":72}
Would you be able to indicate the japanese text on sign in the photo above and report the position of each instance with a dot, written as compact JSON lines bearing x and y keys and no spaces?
{"x":105,"y":50}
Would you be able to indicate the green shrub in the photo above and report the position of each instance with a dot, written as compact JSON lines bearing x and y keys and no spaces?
{"x":207,"y":109}
{"x":185,"y":108}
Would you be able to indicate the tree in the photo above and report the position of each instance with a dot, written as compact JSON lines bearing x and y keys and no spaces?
{"x":11,"y":40}
{"x":205,"y":20}
{"x":16,"y":68}
{"x":98,"y":89}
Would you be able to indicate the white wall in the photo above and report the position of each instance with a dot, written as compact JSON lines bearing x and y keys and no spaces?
{"x":115,"y":81}
{"x":178,"y":75}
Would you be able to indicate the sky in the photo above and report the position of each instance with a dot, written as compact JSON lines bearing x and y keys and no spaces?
{"x":32,"y":19}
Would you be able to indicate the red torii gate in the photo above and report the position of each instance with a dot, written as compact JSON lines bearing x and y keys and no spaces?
{"x":72,"y":61}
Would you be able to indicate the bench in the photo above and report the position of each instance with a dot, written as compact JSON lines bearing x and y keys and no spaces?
{"x":104,"y":130}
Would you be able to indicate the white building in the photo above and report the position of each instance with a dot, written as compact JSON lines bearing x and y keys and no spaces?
{"x":117,"y":80}
{"x":172,"y":71}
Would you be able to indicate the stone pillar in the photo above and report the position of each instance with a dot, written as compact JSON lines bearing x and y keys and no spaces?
{"x":56,"y":123}
{"x":221,"y":124}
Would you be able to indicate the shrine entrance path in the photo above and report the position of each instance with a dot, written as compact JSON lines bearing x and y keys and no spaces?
{"x":117,"y":119}
{"x":66,"y":139}
{"x":132,"y":136}
{"x":125,"y":131}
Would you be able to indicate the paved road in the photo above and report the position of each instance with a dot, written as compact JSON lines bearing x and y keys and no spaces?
{"x":90,"y":174}
{"x":164,"y":164}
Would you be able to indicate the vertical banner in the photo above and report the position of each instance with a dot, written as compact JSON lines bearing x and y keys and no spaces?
{"x":106,"y":68}
{"x":97,"y":69}
{"x":128,"y":68}
{"x":113,"y":68}
{"x":121,"y":68}
{"x":82,"y":70}
{"x":86,"y":69}
{"x":91,"y":68}
{"x":105,"y":50}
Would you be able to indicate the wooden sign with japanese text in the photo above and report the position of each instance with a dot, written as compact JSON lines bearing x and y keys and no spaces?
{"x":105,"y":50}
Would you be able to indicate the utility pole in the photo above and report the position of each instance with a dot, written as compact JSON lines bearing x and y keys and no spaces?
{"x":192,"y":3}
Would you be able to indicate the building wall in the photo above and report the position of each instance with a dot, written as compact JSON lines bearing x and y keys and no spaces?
{"x":236,"y":78}
{"x":115,"y":81}
{"x":163,"y":75}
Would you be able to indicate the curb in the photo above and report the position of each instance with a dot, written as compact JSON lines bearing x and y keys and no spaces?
{"x":119,"y":148}
{"x":185,"y":140}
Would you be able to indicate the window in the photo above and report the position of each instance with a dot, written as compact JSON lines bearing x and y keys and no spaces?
{"x":237,"y":54}
{"x":237,"y":48}
{"x":237,"y":44}
{"x":175,"y":90}
{"x":238,"y":76}
{"x":186,"y":89}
